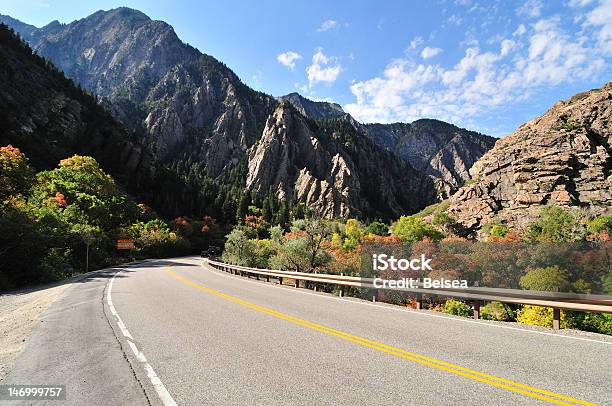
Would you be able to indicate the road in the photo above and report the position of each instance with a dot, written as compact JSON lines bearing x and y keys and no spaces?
{"x":176,"y":331}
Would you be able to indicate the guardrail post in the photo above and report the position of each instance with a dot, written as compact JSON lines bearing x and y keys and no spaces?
{"x":477,"y":304}
{"x":314,"y":287}
{"x":267,"y":278}
{"x":297,"y":283}
{"x":280,"y":280}
{"x":419,"y":301}
{"x":556,"y":318}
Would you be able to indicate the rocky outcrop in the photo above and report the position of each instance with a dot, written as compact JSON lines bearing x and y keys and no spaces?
{"x":434,"y":148}
{"x":561,"y":158}
{"x":297,"y":158}
{"x":291,"y":161}
{"x":313,"y":109}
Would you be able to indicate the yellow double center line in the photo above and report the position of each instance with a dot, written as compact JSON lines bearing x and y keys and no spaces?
{"x":512,"y":386}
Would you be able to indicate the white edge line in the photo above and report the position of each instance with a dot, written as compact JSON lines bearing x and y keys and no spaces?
{"x":158,"y":385}
{"x":412,"y":312}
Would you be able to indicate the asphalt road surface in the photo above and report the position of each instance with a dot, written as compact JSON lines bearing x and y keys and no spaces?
{"x":176,"y":331}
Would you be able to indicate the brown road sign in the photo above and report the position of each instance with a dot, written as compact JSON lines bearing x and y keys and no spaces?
{"x":125,"y":244}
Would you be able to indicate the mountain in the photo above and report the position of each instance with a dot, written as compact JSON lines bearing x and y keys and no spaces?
{"x":562,"y":158}
{"x":313,"y":109}
{"x":211,"y":130}
{"x":333,"y":168}
{"x":441,"y":150}
{"x":434,"y":148}
{"x":49,"y":118}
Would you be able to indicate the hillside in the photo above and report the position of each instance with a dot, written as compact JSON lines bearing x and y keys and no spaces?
{"x":50,"y":118}
{"x":561,"y":158}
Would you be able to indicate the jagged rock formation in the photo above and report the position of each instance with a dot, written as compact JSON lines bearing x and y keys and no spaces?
{"x":441,"y":150}
{"x":313,"y":109}
{"x":312,"y":161}
{"x":561,"y":158}
{"x":434,"y":148}
{"x":199,"y":119}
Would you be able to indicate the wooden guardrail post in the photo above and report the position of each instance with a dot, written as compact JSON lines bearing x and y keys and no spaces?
{"x":556,"y":318}
{"x":419,"y":301}
{"x":280,"y":280}
{"x":267,"y":278}
{"x":297,"y":283}
{"x":477,"y":304}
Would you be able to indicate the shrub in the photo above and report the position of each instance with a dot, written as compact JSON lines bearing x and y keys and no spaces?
{"x":497,"y":311}
{"x":600,"y":225}
{"x":413,"y":229}
{"x":545,"y":279}
{"x":538,"y":316}
{"x":238,"y":249}
{"x":607,"y":284}
{"x":595,"y":322}
{"x":555,"y":224}
{"x":457,"y":308}
{"x":378,"y":228}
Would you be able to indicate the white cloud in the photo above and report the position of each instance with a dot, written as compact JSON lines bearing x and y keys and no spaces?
{"x":455,"y":20}
{"x":481,"y":81}
{"x":579,"y":3}
{"x":531,"y":8}
{"x":520,"y":30}
{"x":324,"y":69}
{"x":288,"y":58}
{"x":327,"y":25}
{"x":601,"y":18}
{"x":429,"y":52}
{"x":416,"y":42}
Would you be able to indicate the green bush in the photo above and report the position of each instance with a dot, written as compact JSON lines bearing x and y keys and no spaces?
{"x":413,"y":229}
{"x":456,"y":308}
{"x":554,"y":224}
{"x":600,"y":224}
{"x":497,"y":311}
{"x":546,"y":279}
{"x":543,"y":316}
{"x":595,"y":322}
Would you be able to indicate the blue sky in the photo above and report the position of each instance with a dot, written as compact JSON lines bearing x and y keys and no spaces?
{"x":483,"y":65}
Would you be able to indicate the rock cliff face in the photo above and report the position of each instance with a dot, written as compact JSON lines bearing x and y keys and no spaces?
{"x":434,"y":148}
{"x":313,"y":109}
{"x":334,"y":169}
{"x":561,"y":158}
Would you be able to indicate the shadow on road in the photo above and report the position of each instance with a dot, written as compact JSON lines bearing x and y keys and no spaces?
{"x":103,"y":273}
{"x":161,"y":263}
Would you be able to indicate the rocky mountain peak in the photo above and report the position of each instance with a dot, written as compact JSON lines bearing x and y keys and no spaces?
{"x":313,"y":109}
{"x":436,"y":148}
{"x":560,"y":158}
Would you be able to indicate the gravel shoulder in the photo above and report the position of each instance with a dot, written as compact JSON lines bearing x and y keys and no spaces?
{"x":20,"y":312}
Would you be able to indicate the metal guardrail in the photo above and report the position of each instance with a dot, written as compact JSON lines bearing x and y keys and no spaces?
{"x":477,"y":295}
